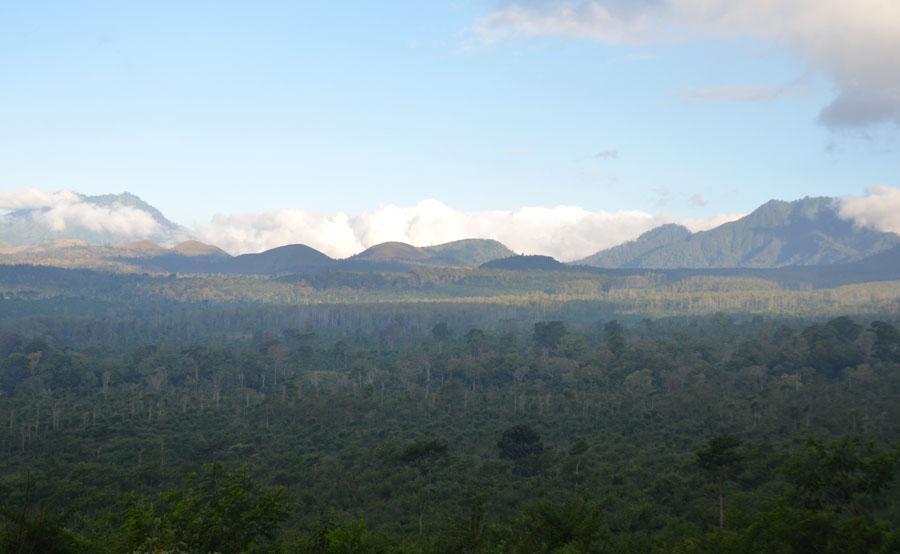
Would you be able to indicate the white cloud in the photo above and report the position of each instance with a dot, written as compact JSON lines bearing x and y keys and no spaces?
{"x":119,"y":220}
{"x":854,"y":43}
{"x":62,"y":210}
{"x":565,"y":232}
{"x":31,"y":198}
{"x":878,"y":209}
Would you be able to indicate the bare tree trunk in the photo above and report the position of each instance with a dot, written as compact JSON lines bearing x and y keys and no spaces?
{"x":421,"y":517}
{"x":721,"y":504}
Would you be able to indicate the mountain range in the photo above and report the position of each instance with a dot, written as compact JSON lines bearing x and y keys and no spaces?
{"x":195,"y":257}
{"x":779,"y":234}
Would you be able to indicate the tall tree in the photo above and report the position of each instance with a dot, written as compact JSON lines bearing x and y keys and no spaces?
{"x":719,"y":459}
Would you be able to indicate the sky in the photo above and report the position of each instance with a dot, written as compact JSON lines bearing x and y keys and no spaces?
{"x":227,"y":114}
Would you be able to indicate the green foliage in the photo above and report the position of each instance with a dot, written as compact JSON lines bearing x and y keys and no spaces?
{"x":572,"y":525}
{"x":30,"y":529}
{"x":720,"y":455}
{"x":384,"y":439}
{"x":424,"y":450}
{"x":548,"y":334}
{"x":519,"y":442}
{"x":351,"y":538}
{"x":797,"y":531}
{"x":212,"y":511}
{"x":441,"y":331}
{"x":615,"y":337}
{"x":887,"y":341}
{"x":840,"y":475}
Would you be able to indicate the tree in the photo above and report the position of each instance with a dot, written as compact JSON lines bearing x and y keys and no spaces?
{"x":547,"y":334}
{"x":845,"y":328}
{"x":476,"y":340}
{"x":831,"y":346}
{"x":614,"y":334}
{"x":519,"y":442}
{"x":839,"y":474}
{"x":33,"y":529}
{"x":887,"y":341}
{"x":441,"y":331}
{"x":426,"y":450}
{"x":350,"y":538}
{"x":573,"y":525}
{"x":572,"y":346}
{"x":577,"y":451}
{"x":212,"y":511}
{"x":719,"y":459}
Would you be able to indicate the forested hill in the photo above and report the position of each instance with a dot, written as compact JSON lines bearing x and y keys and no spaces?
{"x":777,"y":234}
{"x":471,"y":252}
{"x":195,"y":257}
{"x":524,"y":263}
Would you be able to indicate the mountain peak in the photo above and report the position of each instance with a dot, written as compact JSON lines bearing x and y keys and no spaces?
{"x":631,"y":253}
{"x":471,"y":252}
{"x":192,"y":248}
{"x":525,"y":262}
{"x":667,"y":231}
{"x":145,"y":247}
{"x":780,"y":212}
{"x":393,"y":251}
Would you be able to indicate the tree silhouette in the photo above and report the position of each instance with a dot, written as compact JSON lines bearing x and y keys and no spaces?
{"x":519,"y":442}
{"x":720,"y":459}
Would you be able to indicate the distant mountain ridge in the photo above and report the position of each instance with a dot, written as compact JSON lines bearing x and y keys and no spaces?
{"x":777,"y":234}
{"x":806,"y":232}
{"x":471,"y":252}
{"x":196,"y":257}
{"x":459,"y":253}
{"x":26,"y":235}
{"x":525,"y":262}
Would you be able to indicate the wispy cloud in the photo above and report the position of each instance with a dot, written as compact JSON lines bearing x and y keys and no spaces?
{"x":854,"y":43}
{"x":607,"y":155}
{"x":663,"y":196}
{"x":697,"y":199}
{"x":740,"y":93}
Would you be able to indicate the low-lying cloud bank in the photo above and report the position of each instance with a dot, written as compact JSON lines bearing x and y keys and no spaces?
{"x":564,"y":232}
{"x":853,"y":43}
{"x":60,"y":211}
{"x":878,"y":209}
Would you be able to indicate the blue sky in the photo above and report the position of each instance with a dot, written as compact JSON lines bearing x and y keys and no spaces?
{"x":222,"y":107}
